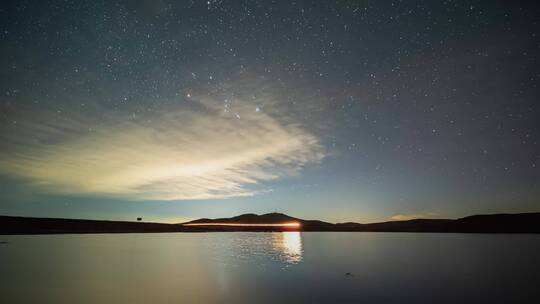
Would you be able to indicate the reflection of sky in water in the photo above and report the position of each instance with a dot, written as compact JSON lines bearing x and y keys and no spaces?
{"x":262,"y":249}
{"x":253,"y":267}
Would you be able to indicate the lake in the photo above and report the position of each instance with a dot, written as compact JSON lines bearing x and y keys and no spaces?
{"x":282,"y":267}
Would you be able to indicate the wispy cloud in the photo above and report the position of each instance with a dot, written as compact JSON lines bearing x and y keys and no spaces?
{"x":406,"y":217}
{"x":183,"y":153}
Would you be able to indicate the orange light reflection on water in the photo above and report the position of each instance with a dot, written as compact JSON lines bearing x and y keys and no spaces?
{"x":289,"y":245}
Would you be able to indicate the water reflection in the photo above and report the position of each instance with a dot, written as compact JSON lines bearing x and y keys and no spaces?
{"x":264,"y":249}
{"x":288,"y":245}
{"x":257,"y":267}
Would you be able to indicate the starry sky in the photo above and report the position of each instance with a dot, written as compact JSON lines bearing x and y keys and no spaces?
{"x":342,"y":111}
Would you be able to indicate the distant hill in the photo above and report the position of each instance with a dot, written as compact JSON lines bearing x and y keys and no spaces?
{"x":32,"y":225}
{"x":251,"y":218}
{"x":493,"y":223}
{"x":269,"y":218}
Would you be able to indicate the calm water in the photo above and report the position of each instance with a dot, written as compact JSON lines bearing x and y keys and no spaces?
{"x":286,"y":267}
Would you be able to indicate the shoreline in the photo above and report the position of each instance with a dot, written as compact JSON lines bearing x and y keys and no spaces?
{"x":497,"y":223}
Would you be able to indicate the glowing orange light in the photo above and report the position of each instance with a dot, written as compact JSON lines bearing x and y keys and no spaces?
{"x":291,"y":224}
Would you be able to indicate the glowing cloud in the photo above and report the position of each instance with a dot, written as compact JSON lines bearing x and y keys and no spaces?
{"x":184,"y":153}
{"x":406,"y":217}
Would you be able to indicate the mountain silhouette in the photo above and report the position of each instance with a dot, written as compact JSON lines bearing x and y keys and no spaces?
{"x":491,"y":223}
{"x":268,"y":218}
{"x":251,"y":218}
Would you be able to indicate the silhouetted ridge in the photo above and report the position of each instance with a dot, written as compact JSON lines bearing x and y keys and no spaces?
{"x":494,"y":223}
{"x":31,"y":225}
{"x":251,"y":218}
{"x":509,"y":223}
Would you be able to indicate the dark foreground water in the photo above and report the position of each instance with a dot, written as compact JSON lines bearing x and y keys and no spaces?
{"x":286,"y":267}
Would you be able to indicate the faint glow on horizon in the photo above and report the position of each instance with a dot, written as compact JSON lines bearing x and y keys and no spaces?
{"x":407,"y":217}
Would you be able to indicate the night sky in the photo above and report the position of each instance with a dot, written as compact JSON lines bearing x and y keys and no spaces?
{"x":347,"y":111}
